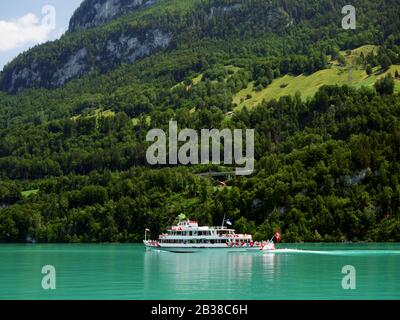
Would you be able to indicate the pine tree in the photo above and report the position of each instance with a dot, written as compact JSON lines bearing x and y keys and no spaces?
{"x":385,"y":85}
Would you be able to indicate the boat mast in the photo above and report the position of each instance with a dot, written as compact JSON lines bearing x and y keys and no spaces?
{"x":223,"y":221}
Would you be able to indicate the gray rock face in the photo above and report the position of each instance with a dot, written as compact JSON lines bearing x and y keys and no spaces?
{"x":224,"y":9}
{"x":21,"y":77}
{"x":122,"y":48}
{"x":93,"y":13}
{"x":128,"y":49}
{"x":74,"y":67}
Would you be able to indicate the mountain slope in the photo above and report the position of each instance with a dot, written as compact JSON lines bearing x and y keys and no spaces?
{"x":115,"y":32}
{"x":74,"y":115}
{"x":143,"y":32}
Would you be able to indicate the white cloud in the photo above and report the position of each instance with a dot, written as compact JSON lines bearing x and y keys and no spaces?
{"x":22,"y":31}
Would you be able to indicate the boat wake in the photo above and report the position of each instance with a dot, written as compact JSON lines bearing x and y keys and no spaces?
{"x":336,"y":252}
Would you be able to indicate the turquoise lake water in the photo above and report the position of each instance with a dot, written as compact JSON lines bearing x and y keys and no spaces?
{"x":116,"y":271}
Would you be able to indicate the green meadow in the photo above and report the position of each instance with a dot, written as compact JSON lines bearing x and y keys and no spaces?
{"x":307,"y":85}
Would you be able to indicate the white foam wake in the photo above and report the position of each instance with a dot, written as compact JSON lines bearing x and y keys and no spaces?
{"x":337,"y":252}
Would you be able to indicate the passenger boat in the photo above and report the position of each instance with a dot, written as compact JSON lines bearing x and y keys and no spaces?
{"x":188,"y":236}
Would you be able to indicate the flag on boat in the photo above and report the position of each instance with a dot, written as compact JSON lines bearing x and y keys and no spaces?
{"x":229,"y":222}
{"x":278,"y":236}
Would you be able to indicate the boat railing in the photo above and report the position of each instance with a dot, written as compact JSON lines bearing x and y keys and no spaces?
{"x":191,"y":227}
{"x":221,"y":228}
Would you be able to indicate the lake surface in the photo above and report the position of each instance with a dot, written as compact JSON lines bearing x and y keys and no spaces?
{"x":116,"y":271}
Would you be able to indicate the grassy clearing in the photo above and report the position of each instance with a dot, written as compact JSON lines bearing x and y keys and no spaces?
{"x":355,"y":54}
{"x":197,"y":79}
{"x":97,"y":113}
{"x":308,"y":85}
{"x":105,"y":113}
{"x":28,"y":193}
{"x":233,"y":68}
{"x":135,"y":121}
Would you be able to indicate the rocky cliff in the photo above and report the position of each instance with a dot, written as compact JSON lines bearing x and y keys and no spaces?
{"x":37,"y":71}
{"x":93,"y":13}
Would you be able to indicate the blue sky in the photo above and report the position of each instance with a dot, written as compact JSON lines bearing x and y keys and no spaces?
{"x":23,"y":24}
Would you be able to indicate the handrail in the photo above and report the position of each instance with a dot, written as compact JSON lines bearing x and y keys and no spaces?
{"x":190,"y":227}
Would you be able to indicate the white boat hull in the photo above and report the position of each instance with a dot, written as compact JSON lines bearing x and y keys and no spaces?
{"x":154,"y":246}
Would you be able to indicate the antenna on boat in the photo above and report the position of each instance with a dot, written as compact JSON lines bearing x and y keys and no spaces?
{"x":223,"y":221}
{"x":145,"y":233}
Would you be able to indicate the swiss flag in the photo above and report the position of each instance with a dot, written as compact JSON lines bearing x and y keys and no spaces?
{"x":278,"y":236}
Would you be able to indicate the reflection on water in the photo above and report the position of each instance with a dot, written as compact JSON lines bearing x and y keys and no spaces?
{"x":211,"y":274}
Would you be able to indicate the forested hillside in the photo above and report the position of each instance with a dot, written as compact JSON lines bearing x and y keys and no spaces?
{"x":74,"y":115}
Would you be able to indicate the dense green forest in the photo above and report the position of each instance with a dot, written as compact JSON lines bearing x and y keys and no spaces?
{"x":73,"y":158}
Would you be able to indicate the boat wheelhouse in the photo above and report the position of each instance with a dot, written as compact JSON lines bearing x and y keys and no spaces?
{"x":188,"y":236}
